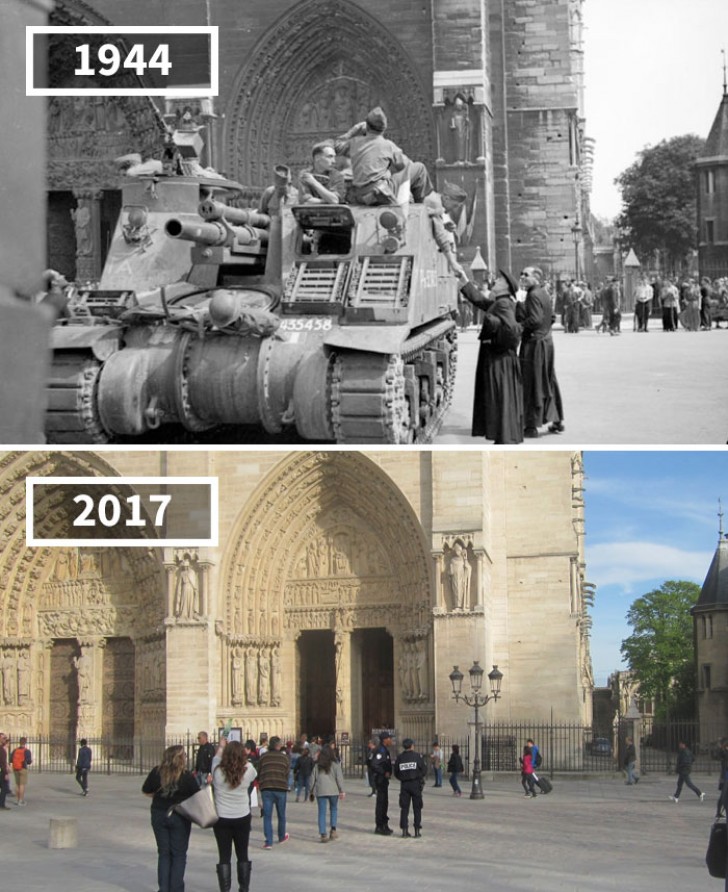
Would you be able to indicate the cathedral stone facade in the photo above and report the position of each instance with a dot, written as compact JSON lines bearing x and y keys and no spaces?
{"x":488,"y":93}
{"x":342,"y":591}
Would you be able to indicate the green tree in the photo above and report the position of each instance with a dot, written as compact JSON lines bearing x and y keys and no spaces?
{"x":659,"y":202}
{"x":660,"y":650}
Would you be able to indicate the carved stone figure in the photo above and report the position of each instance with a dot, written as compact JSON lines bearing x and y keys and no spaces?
{"x":251,"y":676}
{"x":276,"y":682}
{"x":186,"y":605}
{"x":23,"y":677}
{"x":9,"y":679}
{"x":84,"y":240}
{"x":85,"y":678}
{"x":459,"y":127}
{"x":236,"y":678}
{"x":421,"y":668}
{"x":402,"y":669}
{"x":459,"y":571}
{"x":263,"y":679}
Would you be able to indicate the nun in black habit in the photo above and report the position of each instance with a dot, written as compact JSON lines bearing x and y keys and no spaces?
{"x":498,"y":404}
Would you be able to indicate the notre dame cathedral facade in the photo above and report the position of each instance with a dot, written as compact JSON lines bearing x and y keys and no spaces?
{"x":343,"y":589}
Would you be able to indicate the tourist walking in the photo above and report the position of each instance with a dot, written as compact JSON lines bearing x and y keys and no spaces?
{"x":541,"y":395}
{"x":273,"y":783}
{"x":327,"y":788}
{"x":527,"y":781}
{"x":83,"y":766}
{"x":302,"y":774}
{"x":232,"y":777}
{"x":21,"y":759}
{"x":170,"y":783}
{"x":410,"y":770}
{"x":683,"y":767}
{"x":629,"y":762}
{"x":454,"y":768}
{"x":498,"y":402}
{"x":4,"y":772}
{"x":372,"y":745}
{"x":436,"y":762}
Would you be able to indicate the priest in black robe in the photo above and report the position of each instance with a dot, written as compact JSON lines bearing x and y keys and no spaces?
{"x":498,"y":404}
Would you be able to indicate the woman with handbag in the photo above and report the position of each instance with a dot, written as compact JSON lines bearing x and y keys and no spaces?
{"x":170,"y":783}
{"x":232,"y":776}
{"x":328,"y":787}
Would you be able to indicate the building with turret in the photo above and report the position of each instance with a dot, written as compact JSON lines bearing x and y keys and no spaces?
{"x":712,"y":188}
{"x":710,"y":628}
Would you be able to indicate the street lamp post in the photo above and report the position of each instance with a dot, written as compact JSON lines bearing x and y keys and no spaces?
{"x":476,"y":700}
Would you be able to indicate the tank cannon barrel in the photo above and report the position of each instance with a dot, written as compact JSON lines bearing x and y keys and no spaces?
{"x":215,"y":232}
{"x":210,"y":209}
{"x":203,"y":233}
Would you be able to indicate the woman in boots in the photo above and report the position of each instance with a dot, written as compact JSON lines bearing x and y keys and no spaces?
{"x":232,"y":776}
{"x":169,"y":784}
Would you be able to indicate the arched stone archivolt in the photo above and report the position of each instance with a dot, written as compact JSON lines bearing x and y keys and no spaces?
{"x":309,"y":80}
{"x":84,"y":594}
{"x":327,"y":542}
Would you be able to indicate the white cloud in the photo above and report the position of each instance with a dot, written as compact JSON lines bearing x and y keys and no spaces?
{"x":628,"y":563}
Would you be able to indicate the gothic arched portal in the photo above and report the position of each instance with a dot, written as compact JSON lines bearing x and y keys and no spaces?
{"x":76,"y":623}
{"x":327,"y":545}
{"x":310,"y":80}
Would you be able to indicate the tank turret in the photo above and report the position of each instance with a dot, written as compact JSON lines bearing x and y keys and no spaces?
{"x":336,"y":321}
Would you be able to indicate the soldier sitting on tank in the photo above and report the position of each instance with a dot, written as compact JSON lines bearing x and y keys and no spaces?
{"x":443,"y":236}
{"x":379,"y":167}
{"x":322,"y":183}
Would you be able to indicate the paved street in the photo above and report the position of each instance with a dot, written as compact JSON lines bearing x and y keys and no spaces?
{"x":660,"y":389}
{"x":594,"y":835}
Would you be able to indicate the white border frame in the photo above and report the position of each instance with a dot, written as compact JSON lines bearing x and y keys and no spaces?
{"x":170,"y":92}
{"x":212,"y":541}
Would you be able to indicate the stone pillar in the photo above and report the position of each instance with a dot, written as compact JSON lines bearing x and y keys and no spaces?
{"x":480,"y":581}
{"x":87,"y":222}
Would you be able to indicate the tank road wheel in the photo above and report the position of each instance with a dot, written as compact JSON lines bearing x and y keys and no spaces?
{"x":72,"y":415}
{"x":368,"y":402}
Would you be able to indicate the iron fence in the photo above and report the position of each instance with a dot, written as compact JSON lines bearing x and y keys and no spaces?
{"x":566,"y":748}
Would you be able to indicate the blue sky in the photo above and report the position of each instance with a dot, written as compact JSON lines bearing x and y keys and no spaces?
{"x":653,"y":70}
{"x":650,"y":516}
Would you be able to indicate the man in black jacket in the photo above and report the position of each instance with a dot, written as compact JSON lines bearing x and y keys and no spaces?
{"x":381,"y":772}
{"x":410,"y":770}
{"x":684,"y":766}
{"x":203,"y":761}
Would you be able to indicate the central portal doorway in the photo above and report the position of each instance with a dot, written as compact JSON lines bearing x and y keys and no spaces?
{"x":317,"y":683}
{"x":375,"y":656}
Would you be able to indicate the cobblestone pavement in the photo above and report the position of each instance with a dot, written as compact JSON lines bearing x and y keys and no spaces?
{"x":589,"y":834}
{"x":659,"y":388}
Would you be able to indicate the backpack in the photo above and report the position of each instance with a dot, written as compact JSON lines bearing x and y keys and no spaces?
{"x":539,"y":759}
{"x":18,"y":758}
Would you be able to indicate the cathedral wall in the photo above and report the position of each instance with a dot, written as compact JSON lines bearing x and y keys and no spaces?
{"x":542,"y":104}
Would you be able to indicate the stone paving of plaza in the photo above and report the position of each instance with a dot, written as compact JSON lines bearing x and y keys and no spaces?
{"x":653,"y":389}
{"x":589,"y":834}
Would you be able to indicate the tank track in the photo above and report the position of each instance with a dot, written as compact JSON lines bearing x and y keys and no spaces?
{"x":379,"y":398}
{"x":72,"y":416}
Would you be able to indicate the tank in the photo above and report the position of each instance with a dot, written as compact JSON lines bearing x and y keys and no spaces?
{"x":335,"y":322}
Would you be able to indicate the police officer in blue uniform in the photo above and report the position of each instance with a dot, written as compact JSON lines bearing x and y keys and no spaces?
{"x":381,"y":772}
{"x":410,"y":770}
